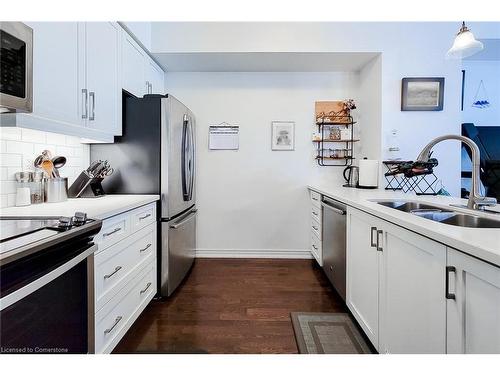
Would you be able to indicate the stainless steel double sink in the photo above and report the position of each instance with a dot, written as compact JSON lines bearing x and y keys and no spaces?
{"x":440,"y":214}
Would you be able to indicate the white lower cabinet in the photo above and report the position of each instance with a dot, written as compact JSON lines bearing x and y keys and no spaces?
{"x":124,"y":273}
{"x":412,"y":303}
{"x":414,"y":295}
{"x":362,"y":262}
{"x":315,"y":227}
{"x":473,"y":305}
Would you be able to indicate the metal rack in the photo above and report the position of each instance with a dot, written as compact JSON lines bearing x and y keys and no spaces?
{"x":424,"y":184}
{"x":327,"y":146}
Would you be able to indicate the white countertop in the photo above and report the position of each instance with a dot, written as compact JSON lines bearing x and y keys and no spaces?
{"x":96,"y":208}
{"x":483,"y":243}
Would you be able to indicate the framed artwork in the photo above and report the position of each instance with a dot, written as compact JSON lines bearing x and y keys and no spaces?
{"x":283,"y":136}
{"x":422,"y":94}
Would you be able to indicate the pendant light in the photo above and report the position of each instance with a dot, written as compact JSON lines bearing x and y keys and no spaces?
{"x":464,"y":45}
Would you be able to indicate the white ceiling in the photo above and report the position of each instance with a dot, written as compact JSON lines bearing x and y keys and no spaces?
{"x":265,"y":61}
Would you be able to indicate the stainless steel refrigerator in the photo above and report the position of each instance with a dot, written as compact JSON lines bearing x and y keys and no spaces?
{"x":156,"y":155}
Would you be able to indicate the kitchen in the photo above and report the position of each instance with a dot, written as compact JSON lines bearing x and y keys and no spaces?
{"x":201,"y":181}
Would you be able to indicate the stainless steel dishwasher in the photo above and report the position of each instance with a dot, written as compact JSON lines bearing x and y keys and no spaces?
{"x":334,"y":243}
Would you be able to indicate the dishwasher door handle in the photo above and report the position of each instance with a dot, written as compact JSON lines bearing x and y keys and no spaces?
{"x":334,"y":209}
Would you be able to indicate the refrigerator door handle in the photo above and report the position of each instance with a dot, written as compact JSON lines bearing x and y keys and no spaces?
{"x":191,"y":161}
{"x":184,"y":161}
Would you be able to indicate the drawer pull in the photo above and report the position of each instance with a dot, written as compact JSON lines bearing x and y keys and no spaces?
{"x":315,"y":248}
{"x":144,"y":217}
{"x":146,"y":288}
{"x":314,"y":199}
{"x":112,"y":232}
{"x":315,"y":213}
{"x":147,"y":247}
{"x":315,"y":228}
{"x":117,"y":320}
{"x":118,"y":268}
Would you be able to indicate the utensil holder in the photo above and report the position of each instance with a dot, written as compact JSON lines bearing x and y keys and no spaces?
{"x":56,"y":189}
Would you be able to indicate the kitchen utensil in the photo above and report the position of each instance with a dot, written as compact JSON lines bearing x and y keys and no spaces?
{"x":38,"y":161}
{"x":48,"y":167}
{"x":368,"y":174}
{"x":56,"y":189}
{"x":58,"y":162}
{"x":351,"y":176}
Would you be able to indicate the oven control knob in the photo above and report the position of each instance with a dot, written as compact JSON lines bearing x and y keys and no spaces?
{"x":65,"y":222}
{"x":80,"y":218}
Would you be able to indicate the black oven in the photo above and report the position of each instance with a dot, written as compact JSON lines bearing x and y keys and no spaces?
{"x":47,"y":301}
{"x":16,"y":67}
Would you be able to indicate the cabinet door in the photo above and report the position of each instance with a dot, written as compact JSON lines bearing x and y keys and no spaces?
{"x":474,"y":314}
{"x":133,"y":67}
{"x":412,"y":300}
{"x":103,"y":73}
{"x":363,"y":272}
{"x":155,"y":78}
{"x":58,"y":71}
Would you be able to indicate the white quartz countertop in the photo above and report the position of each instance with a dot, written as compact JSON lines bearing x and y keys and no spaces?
{"x":483,"y":243}
{"x":96,"y":208}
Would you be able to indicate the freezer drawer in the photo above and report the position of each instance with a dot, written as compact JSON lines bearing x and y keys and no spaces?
{"x":178,"y":250}
{"x":334,"y":244}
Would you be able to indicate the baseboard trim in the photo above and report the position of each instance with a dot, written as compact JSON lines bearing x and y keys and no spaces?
{"x":254,"y":253}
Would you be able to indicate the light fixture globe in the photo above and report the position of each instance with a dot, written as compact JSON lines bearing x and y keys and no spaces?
{"x":464,"y":45}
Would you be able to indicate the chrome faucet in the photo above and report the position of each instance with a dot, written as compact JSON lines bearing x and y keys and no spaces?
{"x":476,"y":200}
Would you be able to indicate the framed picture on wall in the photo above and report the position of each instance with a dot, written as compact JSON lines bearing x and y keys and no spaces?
{"x":422,"y":94}
{"x":283,"y":136}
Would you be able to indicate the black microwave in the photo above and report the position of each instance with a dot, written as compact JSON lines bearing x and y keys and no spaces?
{"x":16,"y":67}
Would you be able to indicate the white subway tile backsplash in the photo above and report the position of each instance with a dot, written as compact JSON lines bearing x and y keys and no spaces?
{"x":30,"y":135}
{"x":10,"y":133}
{"x":11,"y":160}
{"x":19,"y":147}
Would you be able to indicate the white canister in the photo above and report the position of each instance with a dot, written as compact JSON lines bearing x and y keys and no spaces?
{"x":368,"y":173}
{"x":23,"y":196}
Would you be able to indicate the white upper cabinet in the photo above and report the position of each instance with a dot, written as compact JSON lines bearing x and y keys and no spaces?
{"x":156,"y":78}
{"x":133,"y":66}
{"x":103,"y":76}
{"x":473,"y":305}
{"x":412,"y":303}
{"x":57,"y":78}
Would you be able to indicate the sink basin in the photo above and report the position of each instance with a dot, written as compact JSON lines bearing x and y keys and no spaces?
{"x":441,"y":215}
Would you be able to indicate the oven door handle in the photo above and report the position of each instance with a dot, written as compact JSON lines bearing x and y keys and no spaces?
{"x":44,"y":280}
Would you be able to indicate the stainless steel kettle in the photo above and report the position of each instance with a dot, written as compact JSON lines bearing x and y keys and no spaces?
{"x":351,"y":176}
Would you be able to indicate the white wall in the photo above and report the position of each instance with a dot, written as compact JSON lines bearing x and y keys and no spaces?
{"x":489,"y":73}
{"x":255,"y":198}
{"x":408,"y":50}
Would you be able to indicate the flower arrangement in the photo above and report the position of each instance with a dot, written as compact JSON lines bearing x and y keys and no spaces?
{"x":348,"y":105}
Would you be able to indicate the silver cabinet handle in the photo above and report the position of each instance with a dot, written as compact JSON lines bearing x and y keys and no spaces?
{"x":372,"y":237}
{"x":314,"y":199}
{"x":147,"y":247}
{"x":150,"y":88}
{"x":117,"y":268}
{"x":144,"y":217}
{"x":315,"y":228}
{"x":146,"y":288}
{"x":147,"y":87}
{"x":315,"y":248}
{"x":92,"y":102}
{"x":379,"y":246}
{"x":117,"y":320}
{"x":85,"y":104}
{"x":449,"y":295}
{"x":112,"y":232}
{"x":315,"y":213}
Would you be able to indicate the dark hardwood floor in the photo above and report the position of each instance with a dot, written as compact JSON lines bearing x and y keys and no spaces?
{"x":233,"y":306}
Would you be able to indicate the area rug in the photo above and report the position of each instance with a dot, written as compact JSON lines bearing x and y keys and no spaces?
{"x":328,"y":333}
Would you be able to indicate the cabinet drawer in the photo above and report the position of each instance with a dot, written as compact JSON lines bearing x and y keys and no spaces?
{"x":316,"y":227}
{"x":316,"y":249}
{"x":316,"y":213}
{"x":315,"y":198}
{"x":113,"y":230}
{"x":143,"y":216}
{"x":115,"y":266}
{"x":113,"y":321}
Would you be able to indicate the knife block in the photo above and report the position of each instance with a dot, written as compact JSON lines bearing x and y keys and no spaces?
{"x":86,"y":186}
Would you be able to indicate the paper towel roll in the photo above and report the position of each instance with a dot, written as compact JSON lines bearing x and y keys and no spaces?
{"x":368,"y":173}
